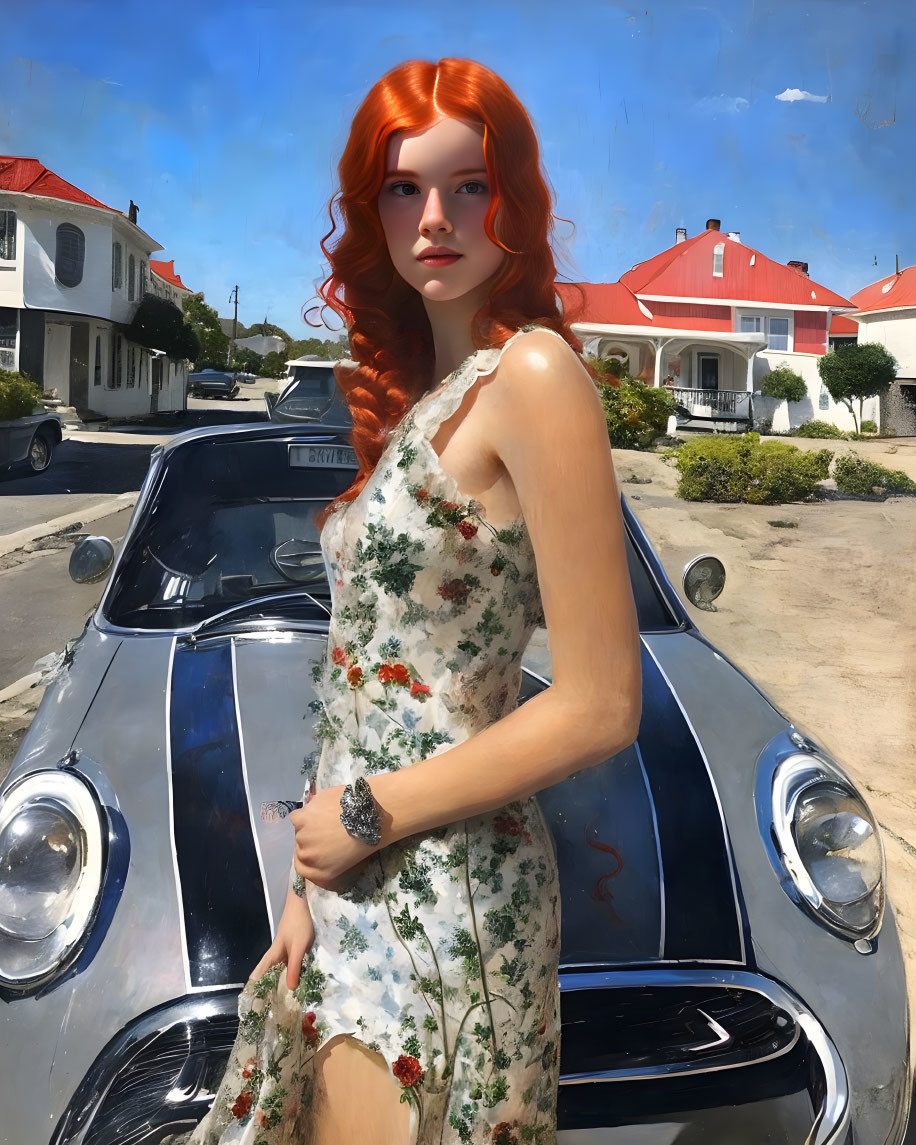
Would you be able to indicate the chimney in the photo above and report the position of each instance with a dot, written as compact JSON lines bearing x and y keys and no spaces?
{"x":713,"y":224}
{"x":801,"y":267}
{"x":132,"y":213}
{"x":680,"y":235}
{"x":735,"y":236}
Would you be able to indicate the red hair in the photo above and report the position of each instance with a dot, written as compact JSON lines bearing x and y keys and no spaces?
{"x":390,"y":335}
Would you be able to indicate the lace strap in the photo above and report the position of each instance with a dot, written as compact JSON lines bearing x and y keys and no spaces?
{"x":441,"y":407}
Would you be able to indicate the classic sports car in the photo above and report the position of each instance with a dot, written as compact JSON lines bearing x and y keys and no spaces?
{"x":730,"y":968}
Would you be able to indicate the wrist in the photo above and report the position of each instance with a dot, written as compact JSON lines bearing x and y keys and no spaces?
{"x":387,"y":791}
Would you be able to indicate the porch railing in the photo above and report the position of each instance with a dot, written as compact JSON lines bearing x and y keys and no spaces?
{"x":714,"y":404}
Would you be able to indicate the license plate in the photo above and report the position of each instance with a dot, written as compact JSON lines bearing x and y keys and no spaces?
{"x":326,"y":456}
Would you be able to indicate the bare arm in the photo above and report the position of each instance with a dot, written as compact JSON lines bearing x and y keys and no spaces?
{"x":549,"y":431}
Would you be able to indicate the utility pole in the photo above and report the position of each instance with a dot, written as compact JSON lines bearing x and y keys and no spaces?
{"x":234,"y":297}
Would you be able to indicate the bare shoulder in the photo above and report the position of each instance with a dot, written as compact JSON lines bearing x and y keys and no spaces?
{"x":541,"y":359}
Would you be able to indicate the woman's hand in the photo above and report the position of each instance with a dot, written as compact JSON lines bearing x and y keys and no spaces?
{"x":324,"y":851}
{"x":295,"y":935}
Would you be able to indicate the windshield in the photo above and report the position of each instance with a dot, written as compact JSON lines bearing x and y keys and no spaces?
{"x":232,"y":520}
{"x":312,"y":388}
{"x":228,"y":521}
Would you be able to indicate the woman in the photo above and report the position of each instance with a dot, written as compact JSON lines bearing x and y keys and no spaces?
{"x":410,"y":995}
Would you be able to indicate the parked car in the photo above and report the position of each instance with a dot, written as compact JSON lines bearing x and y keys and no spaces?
{"x":311,"y":394}
{"x":730,"y":968}
{"x":28,"y":443}
{"x":213,"y":384}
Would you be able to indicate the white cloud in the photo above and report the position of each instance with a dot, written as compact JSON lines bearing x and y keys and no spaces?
{"x":730,"y":104}
{"x":793,"y":94}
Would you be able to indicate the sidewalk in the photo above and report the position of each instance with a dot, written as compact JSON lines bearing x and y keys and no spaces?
{"x":21,"y":538}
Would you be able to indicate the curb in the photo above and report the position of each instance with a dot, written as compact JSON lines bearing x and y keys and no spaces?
{"x":18,"y":540}
{"x":23,"y":684}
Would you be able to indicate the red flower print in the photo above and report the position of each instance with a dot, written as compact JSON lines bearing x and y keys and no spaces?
{"x":448,"y":505}
{"x":354,"y":676}
{"x":541,"y":1028}
{"x":422,"y":494}
{"x":418,"y":689}
{"x":260,"y":1118}
{"x":339,"y":656}
{"x":407,"y":1070}
{"x":495,"y":570}
{"x":504,"y":1134}
{"x":242,"y":1106}
{"x":454,"y":590}
{"x":466,"y":529}
{"x":385,"y":673}
{"x":309,"y":1030}
{"x":249,"y":1067}
{"x":509,"y":825}
{"x":401,"y":675}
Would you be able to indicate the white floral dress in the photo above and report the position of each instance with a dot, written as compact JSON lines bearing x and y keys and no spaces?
{"x":442,"y":953}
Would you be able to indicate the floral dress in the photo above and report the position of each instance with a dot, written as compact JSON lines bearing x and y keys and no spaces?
{"x":441,"y":952}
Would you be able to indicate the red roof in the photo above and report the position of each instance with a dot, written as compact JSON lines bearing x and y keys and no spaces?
{"x":842,"y":327}
{"x":601,"y":302}
{"x":166,"y":270}
{"x":685,"y":271}
{"x":895,"y":292}
{"x":19,"y":173}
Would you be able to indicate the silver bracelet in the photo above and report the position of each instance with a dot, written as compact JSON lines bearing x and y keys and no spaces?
{"x":360,"y":813}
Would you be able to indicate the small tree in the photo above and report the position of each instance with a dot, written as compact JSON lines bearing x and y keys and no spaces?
{"x":159,"y":325}
{"x":856,"y":372}
{"x":784,"y":384}
{"x":214,"y":344}
{"x":18,"y":395}
{"x":273,"y":365}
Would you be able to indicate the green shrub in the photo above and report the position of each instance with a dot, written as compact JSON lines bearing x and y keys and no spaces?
{"x":635,"y":413}
{"x":740,"y":468}
{"x":818,"y":429}
{"x":785,"y":384}
{"x":855,"y":474}
{"x":18,"y":395}
{"x":869,"y":426}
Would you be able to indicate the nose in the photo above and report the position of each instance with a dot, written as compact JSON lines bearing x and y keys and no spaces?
{"x":434,"y":218}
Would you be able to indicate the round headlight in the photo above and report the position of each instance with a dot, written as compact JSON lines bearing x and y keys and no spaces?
{"x":51,"y":854}
{"x":41,"y":852}
{"x":830,"y":845}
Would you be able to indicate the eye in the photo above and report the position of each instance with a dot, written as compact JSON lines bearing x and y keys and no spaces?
{"x":402,"y":189}
{"x":474,"y":187}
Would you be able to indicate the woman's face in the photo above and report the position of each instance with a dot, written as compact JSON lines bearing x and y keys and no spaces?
{"x":432,"y":207}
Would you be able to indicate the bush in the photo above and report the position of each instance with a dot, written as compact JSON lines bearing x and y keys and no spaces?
{"x":869,"y":426}
{"x":818,"y":429}
{"x":740,"y":468}
{"x":18,"y":395}
{"x":635,"y":413}
{"x":784,"y":384}
{"x":855,"y":474}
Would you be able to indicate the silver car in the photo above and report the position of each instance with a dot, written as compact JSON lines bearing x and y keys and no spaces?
{"x":730,"y":968}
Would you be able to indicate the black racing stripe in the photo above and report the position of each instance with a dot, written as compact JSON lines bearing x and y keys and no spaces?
{"x":701,"y":918}
{"x":225,"y":914}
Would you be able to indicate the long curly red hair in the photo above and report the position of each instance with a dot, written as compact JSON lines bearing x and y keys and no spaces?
{"x":390,"y":336}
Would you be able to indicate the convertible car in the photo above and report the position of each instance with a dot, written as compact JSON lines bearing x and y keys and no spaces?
{"x":730,"y":970}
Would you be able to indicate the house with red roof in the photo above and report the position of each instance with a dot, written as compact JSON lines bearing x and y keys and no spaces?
{"x":709,"y":317}
{"x":886,"y":313}
{"x":73,"y":272}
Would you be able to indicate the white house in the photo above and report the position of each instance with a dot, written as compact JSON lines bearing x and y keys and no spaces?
{"x":886,"y":313}
{"x":72,"y":273}
{"x":710,"y":317}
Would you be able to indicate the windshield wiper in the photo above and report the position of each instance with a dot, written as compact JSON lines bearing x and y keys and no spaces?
{"x":252,"y":605}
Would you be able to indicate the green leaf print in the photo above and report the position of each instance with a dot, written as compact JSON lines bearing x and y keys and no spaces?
{"x":353,"y":942}
{"x":310,"y":991}
{"x":415,"y":879}
{"x":390,"y":554}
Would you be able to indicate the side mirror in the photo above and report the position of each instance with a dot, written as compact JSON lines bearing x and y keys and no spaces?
{"x":91,"y":559}
{"x":704,"y":579}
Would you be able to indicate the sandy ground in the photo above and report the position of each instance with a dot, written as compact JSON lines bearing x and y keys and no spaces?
{"x":822,"y":617}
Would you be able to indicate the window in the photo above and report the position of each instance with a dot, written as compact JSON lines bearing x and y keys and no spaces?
{"x":131,"y":365}
{"x":69,"y":255}
{"x":117,"y":272}
{"x":115,"y":381}
{"x":97,"y":369}
{"x":144,"y":286}
{"x":131,"y":275}
{"x":718,"y":259}
{"x":8,"y":235}
{"x":9,"y":324}
{"x":776,"y":329}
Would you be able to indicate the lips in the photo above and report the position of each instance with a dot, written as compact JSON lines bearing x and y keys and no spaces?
{"x":438,"y":256}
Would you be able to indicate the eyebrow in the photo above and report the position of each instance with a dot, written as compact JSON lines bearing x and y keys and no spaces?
{"x":454,"y":175}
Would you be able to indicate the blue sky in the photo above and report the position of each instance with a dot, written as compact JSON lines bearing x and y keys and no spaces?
{"x":224,"y":122}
